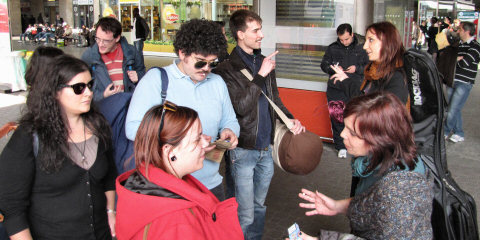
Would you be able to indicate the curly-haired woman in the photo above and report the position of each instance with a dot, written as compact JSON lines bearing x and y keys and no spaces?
{"x":57,"y":173}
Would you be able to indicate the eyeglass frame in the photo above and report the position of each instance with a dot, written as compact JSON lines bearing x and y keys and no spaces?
{"x":88,"y":85}
{"x":203,"y":62}
{"x":104,"y":41}
{"x":167,"y":105}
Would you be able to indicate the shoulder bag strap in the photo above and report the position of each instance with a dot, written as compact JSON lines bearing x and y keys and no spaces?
{"x":279,"y":112}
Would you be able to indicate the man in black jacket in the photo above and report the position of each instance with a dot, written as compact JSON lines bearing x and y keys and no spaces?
{"x":349,"y":55}
{"x":247,"y":73}
{"x":141,"y":31}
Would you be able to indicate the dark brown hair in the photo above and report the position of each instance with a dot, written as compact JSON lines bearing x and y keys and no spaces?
{"x":391,"y":53}
{"x":386,"y":126}
{"x":148,"y":143}
{"x":239,"y":20}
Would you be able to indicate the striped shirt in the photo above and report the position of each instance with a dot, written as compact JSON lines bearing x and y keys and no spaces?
{"x":466,"y":69}
{"x":114,"y":61}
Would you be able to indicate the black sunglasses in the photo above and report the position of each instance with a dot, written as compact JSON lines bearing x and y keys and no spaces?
{"x":79,"y":88}
{"x":166,"y":106}
{"x":201,"y":63}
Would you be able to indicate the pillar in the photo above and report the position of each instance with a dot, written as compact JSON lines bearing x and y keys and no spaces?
{"x":363,"y":15}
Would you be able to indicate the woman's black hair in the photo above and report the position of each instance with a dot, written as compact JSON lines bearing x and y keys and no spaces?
{"x":44,"y":115}
{"x":40,"y":58}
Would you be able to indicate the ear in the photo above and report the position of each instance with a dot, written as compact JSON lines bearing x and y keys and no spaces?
{"x":118,"y":38}
{"x":240,"y":35}
{"x":167,"y":150}
{"x":181,"y":55}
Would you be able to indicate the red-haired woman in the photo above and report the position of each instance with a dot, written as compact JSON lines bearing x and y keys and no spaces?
{"x":393,"y":199}
{"x":160,"y":199}
{"x":385,"y":50}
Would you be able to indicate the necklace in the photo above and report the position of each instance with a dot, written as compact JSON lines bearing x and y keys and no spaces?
{"x":84,"y":144}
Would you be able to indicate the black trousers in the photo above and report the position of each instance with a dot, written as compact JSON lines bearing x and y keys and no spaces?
{"x":335,"y":94}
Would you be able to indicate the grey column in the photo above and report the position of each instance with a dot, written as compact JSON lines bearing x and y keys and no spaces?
{"x":363,"y":15}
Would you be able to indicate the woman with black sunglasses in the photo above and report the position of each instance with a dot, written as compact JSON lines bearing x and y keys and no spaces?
{"x":160,"y":199}
{"x":57,"y":173}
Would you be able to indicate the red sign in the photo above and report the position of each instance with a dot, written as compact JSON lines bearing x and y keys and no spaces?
{"x":172,"y":17}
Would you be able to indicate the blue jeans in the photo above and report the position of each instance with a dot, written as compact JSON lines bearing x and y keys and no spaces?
{"x":139,"y":46}
{"x":457,"y":96}
{"x":252,"y":171}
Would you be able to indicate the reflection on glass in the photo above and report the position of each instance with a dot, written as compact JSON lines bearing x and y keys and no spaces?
{"x":306,"y":13}
{"x":300,"y":61}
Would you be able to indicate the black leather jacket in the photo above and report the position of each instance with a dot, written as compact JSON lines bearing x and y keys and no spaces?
{"x":244,"y":95}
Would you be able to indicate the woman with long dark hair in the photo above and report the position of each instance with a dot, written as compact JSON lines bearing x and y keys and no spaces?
{"x":160,"y":199}
{"x":57,"y":172}
{"x":393,"y":199}
{"x":385,"y":50}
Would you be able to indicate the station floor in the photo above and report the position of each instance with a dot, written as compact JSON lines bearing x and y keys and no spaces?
{"x":331,"y":177}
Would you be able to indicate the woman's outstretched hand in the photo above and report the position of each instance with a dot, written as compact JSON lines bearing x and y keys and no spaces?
{"x":339,"y":75}
{"x":321,"y":204}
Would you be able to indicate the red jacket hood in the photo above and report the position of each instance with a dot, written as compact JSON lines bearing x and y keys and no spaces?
{"x":135,"y":210}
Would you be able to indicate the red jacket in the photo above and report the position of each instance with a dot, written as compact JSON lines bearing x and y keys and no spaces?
{"x":199,"y":215}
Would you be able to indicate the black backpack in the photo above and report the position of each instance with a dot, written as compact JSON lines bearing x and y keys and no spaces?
{"x":454,"y":215}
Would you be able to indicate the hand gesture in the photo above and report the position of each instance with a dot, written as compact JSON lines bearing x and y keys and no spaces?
{"x":229,"y":135}
{"x":351,"y":69}
{"x":267,"y":65}
{"x":297,"y":127}
{"x":133,"y":76}
{"x":109,"y":91}
{"x":339,"y":75}
{"x":321,"y":204}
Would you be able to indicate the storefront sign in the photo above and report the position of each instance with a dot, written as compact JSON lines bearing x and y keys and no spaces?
{"x":169,"y":14}
{"x":467,"y":16}
{"x":84,"y":2}
{"x":129,"y":1}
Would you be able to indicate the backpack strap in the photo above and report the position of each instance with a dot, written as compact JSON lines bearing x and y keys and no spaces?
{"x":164,"y":78}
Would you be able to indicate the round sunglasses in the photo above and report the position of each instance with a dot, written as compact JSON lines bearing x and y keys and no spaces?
{"x":79,"y":88}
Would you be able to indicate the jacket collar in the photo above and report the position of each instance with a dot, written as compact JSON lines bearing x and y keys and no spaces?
{"x":352,"y":45}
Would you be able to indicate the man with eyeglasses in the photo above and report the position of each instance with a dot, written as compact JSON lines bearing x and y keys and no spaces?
{"x":198,"y":43}
{"x":116,"y":65}
{"x":247,"y":73}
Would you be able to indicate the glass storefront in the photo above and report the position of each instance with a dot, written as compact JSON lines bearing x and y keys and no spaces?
{"x":165,"y":16}
{"x":82,"y":13}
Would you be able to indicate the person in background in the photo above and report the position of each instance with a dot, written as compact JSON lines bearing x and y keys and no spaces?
{"x":191,"y":84}
{"x":346,"y":53}
{"x":393,"y":199}
{"x":247,"y":73}
{"x":57,"y":173}
{"x":141,"y":30}
{"x":160,"y":198}
{"x":116,"y":65}
{"x":465,"y":72}
{"x":433,"y":30}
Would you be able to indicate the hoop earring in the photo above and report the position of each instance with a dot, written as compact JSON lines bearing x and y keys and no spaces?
{"x":173,"y":158}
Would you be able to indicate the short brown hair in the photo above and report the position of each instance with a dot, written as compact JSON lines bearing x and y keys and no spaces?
{"x":386,"y":126}
{"x":239,"y":20}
